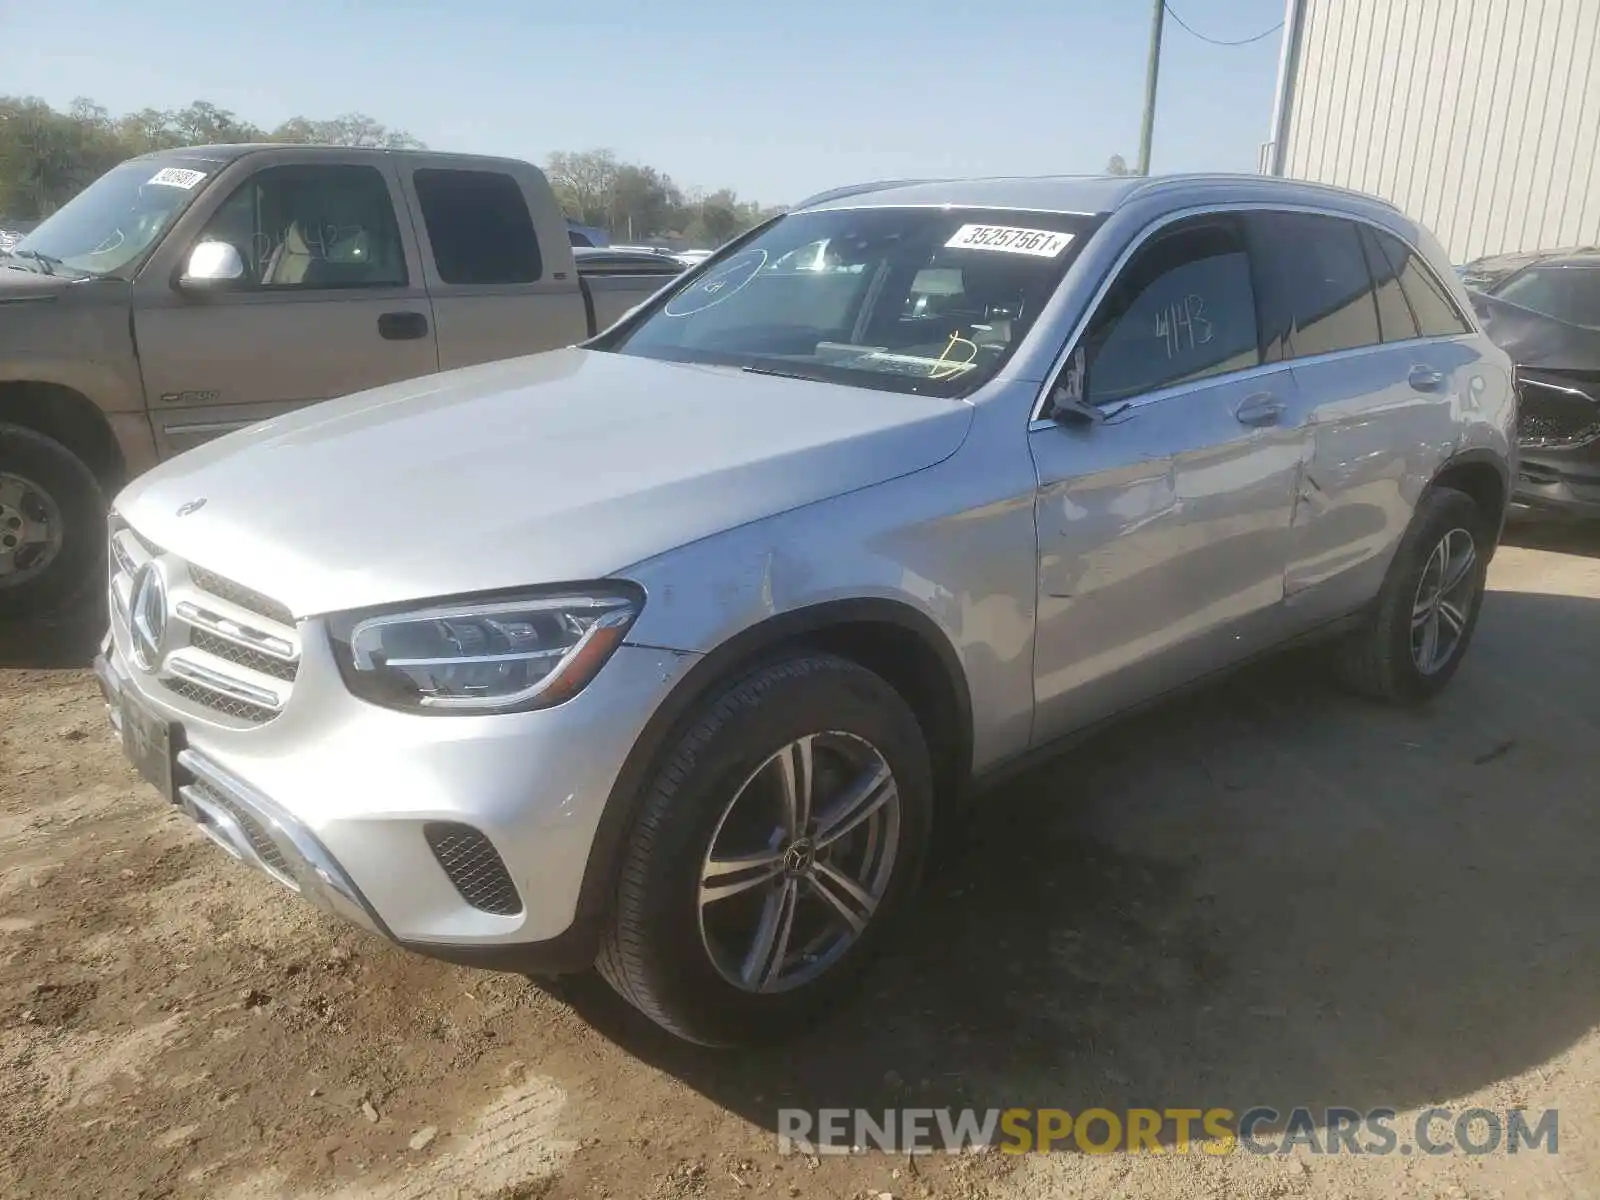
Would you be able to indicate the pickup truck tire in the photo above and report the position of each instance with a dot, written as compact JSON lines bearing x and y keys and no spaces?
{"x":1436,"y":583}
{"x":46,"y":492}
{"x":694,"y":962}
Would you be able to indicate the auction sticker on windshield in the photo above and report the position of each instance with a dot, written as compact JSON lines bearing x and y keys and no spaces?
{"x":1042,"y":243}
{"x":177,"y":177}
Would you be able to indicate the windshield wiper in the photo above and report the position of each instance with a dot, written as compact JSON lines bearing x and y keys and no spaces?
{"x":47,"y":264}
{"x":774,"y":371}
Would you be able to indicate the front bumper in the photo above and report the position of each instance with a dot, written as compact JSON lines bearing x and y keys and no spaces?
{"x":1559,"y":481}
{"x":338,"y":800}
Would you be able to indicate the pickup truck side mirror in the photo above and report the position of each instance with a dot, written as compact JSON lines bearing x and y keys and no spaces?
{"x":211,"y":266}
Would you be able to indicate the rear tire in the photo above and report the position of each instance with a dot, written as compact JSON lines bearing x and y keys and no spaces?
{"x":1423,"y":621}
{"x":691,"y":959}
{"x":52,"y":522}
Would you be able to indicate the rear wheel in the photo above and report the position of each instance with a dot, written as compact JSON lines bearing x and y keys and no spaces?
{"x":775,"y":848}
{"x":1424,"y":619}
{"x":52,"y":514}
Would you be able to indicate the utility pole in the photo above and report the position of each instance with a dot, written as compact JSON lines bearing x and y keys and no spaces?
{"x":1152,"y":70}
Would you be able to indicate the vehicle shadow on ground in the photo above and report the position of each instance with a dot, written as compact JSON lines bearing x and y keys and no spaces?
{"x":1559,"y":535}
{"x":63,"y":640}
{"x":1267,"y":894}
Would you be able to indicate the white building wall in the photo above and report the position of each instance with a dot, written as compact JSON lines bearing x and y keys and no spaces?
{"x":1479,"y":118}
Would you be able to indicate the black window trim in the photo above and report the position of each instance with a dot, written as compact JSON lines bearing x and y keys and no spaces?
{"x":1041,"y":403}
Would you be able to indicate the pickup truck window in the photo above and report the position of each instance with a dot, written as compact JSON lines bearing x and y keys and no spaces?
{"x":111,"y":223}
{"x":930,"y":301}
{"x":313,"y":227}
{"x":479,"y":227}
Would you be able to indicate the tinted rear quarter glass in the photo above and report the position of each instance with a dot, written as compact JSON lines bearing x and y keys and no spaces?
{"x":1396,"y":321}
{"x":1317,"y":292}
{"x":1436,"y":313}
{"x":479,"y":227}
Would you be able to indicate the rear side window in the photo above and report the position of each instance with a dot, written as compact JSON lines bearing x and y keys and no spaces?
{"x":1436,"y":313}
{"x":479,"y":227}
{"x":1181,"y":310}
{"x":1319,"y":294}
{"x":1396,"y":321}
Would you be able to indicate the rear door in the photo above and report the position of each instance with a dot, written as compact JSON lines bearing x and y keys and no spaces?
{"x":498,"y":289}
{"x":1379,"y":396}
{"x":1163,"y":530}
{"x":332,"y":301}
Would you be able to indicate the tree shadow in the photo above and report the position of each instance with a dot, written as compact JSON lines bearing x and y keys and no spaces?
{"x":1269,"y":894}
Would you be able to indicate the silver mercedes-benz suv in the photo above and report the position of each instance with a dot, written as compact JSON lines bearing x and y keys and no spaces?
{"x":667,"y":653}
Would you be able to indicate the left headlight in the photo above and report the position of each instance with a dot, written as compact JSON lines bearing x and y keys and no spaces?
{"x":501,"y":655}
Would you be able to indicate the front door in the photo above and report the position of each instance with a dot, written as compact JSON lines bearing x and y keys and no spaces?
{"x":1164,"y":525}
{"x":329,"y":304}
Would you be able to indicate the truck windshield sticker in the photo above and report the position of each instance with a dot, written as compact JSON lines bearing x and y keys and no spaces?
{"x":177,"y":177}
{"x":1041,"y":243}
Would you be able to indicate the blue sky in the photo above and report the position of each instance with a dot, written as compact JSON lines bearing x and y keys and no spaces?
{"x":776,"y":100}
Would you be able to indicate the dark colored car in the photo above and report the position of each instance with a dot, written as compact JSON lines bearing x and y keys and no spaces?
{"x":1543,"y":308}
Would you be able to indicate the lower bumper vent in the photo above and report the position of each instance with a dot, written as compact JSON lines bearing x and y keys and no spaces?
{"x":474,"y":866}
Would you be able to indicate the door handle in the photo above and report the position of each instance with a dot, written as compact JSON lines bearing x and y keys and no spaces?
{"x":1263,"y":408}
{"x":1426,"y":379}
{"x":402,"y":326}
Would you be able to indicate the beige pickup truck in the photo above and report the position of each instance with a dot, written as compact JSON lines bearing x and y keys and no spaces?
{"x":191,"y":292}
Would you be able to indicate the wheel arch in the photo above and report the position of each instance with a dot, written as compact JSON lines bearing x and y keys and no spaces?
{"x":891,"y":638}
{"x":1486,"y":478}
{"x":65,"y":415}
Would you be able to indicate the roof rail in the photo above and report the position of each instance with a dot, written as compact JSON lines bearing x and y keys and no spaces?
{"x":859,"y":189}
{"x":1157,"y":182}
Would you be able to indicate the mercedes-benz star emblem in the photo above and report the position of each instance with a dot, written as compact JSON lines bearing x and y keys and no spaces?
{"x":147,"y":616}
{"x":189,"y":506}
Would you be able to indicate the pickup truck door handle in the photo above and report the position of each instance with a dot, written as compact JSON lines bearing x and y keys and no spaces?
{"x":1425,"y":379}
{"x":402,"y":326}
{"x":1263,"y":408}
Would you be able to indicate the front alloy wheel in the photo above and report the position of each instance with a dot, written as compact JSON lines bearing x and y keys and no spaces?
{"x":779,"y":839}
{"x":799,"y":862}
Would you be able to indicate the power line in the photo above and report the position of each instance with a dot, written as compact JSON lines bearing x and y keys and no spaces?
{"x":1218,"y":41}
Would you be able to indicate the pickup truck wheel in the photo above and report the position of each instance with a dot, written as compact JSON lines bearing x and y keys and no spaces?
{"x":1428,"y":607}
{"x":774,"y":850}
{"x":52,"y":513}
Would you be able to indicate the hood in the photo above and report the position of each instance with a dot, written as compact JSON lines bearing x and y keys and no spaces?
{"x":1536,"y":340}
{"x":559,"y":467}
{"x":23,"y":283}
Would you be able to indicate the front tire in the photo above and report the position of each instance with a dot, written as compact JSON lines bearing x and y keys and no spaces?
{"x":779,"y":841}
{"x":1426,"y":612}
{"x":52,"y":522}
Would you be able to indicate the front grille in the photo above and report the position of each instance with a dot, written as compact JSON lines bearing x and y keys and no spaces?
{"x":237,"y":593}
{"x":266,"y":849}
{"x":474,"y":866}
{"x":202,"y":639}
{"x":228,"y":706}
{"x":224,"y":647}
{"x":1555,"y":414}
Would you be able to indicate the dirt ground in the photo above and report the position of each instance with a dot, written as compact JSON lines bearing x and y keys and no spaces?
{"x":1268,"y":894}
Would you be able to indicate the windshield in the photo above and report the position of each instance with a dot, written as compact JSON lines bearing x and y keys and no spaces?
{"x":1569,"y":293}
{"x":899,"y":299}
{"x":118,"y":217}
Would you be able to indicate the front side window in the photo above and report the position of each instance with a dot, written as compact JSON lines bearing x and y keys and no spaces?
{"x":479,"y":227}
{"x":921,"y":300}
{"x":313,"y":227}
{"x":1319,"y":296}
{"x":1183,"y":309}
{"x":111,"y":223}
{"x":1569,"y":293}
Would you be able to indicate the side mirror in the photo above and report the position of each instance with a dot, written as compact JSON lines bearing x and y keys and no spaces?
{"x":1069,"y":399}
{"x":212,"y":265}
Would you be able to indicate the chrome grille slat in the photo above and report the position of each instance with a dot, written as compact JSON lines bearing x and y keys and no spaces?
{"x":255,"y":660}
{"x":237,"y":593}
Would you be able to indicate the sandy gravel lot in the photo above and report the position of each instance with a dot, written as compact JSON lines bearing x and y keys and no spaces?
{"x":1268,"y":894}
